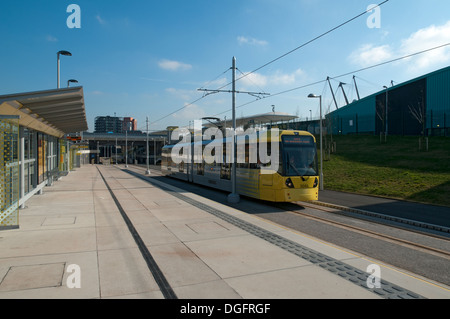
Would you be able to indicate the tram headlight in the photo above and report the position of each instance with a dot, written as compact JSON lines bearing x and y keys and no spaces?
{"x":316,"y":182}
{"x":289,"y":183}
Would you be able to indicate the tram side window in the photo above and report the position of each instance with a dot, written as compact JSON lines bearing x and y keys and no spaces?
{"x":201,"y":169}
{"x":201,"y":166}
{"x":225,"y":168}
{"x":246,"y":157}
{"x":168,"y":158}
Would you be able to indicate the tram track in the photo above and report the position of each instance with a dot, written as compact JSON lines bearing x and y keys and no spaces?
{"x":345,"y":271}
{"x":395,"y":222}
{"x":403,"y":245}
{"x":399,"y":223}
{"x":374,"y":234}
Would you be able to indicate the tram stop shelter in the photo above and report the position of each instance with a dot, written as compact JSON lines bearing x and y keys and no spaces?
{"x":267,"y":119}
{"x":33,"y":149}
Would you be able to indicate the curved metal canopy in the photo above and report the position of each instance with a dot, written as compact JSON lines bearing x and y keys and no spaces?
{"x":274,"y":117}
{"x":56,"y":112}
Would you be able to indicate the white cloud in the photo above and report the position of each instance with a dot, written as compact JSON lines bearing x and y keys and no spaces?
{"x":174,"y":65}
{"x":251,"y":41}
{"x":369,"y":54}
{"x":427,"y":38}
{"x":255,"y":79}
{"x":189,"y":113}
{"x":278,"y":78}
{"x":423,"y":39}
{"x":100,"y":19}
{"x":51,"y":38}
{"x":181,"y":94}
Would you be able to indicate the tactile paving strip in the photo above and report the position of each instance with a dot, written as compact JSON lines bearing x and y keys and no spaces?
{"x":158,"y":275}
{"x":350,"y":273}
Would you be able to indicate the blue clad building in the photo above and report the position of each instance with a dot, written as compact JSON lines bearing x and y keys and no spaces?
{"x":421,"y":105}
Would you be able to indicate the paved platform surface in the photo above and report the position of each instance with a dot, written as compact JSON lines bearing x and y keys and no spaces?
{"x":74,"y":242}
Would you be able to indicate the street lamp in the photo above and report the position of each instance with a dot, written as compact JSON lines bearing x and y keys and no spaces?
{"x":66,"y":53}
{"x":147,"y":172}
{"x":313,"y":96}
{"x":71,"y":81}
{"x":126,"y":149}
{"x":234,"y":197}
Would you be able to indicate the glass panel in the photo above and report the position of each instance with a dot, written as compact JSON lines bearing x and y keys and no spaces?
{"x":9,"y":172}
{"x":300,"y":156}
{"x":32,"y":174}
{"x":26,"y":178}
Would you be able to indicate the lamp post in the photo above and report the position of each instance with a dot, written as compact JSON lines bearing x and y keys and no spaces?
{"x":147,"y":172}
{"x":313,"y":96}
{"x":126,"y":149}
{"x":234,"y":197}
{"x":66,"y":53}
{"x":71,"y":81}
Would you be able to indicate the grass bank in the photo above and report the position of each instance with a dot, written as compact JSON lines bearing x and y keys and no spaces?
{"x":397,"y":169}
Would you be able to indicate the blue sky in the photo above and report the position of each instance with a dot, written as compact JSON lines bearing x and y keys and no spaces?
{"x":148,"y":58}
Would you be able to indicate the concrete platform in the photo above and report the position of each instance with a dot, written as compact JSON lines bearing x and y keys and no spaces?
{"x":73,"y":243}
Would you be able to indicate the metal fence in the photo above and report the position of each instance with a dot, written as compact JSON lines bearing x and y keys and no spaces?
{"x":432,"y":123}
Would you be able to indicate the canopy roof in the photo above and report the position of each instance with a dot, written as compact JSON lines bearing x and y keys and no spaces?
{"x":274,"y":117}
{"x":56,"y":112}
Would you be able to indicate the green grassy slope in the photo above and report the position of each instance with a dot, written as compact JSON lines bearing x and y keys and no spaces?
{"x":394,"y":169}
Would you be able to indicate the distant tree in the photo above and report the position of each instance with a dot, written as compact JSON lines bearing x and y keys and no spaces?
{"x":381,"y":113}
{"x":419,"y":113}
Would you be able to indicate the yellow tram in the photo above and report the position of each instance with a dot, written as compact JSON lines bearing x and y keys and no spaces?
{"x":293,"y":178}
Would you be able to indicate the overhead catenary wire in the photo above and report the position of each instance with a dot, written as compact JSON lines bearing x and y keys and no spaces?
{"x":340,"y":76}
{"x":309,"y":42}
{"x":278,"y":58}
{"x":191,"y":103}
{"x":252,"y":81}
{"x":215,"y":79}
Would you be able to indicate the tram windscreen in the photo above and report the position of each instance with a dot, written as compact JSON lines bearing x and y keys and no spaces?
{"x":299,"y":156}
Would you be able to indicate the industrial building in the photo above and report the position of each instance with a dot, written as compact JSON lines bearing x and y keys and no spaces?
{"x":417,"y":107}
